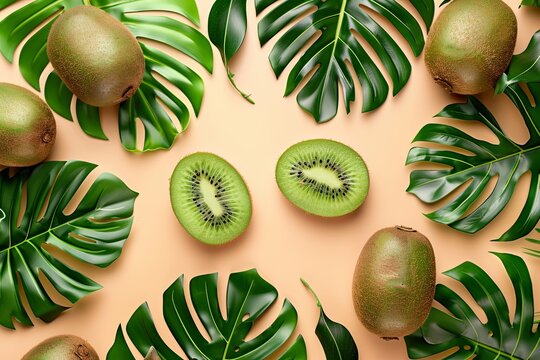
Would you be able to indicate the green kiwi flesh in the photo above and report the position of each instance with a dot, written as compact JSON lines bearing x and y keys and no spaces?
{"x":27,"y":127}
{"x":96,"y":56}
{"x":323,"y":177}
{"x":63,"y":347}
{"x":210,"y":198}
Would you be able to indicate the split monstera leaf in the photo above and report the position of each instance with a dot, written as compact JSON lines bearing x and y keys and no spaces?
{"x":471,"y":163}
{"x":249,"y":297}
{"x":458,"y":333}
{"x":35,"y":230}
{"x":153,"y":101}
{"x":326,"y":40}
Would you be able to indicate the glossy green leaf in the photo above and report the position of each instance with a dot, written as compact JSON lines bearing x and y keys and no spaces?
{"x":530,"y":3}
{"x":335,"y":339}
{"x":227,"y":26}
{"x":468,"y":170}
{"x":248,"y":298}
{"x":459,"y":333}
{"x":524,"y":67}
{"x":334,"y":56}
{"x":153,"y":102}
{"x":94,"y":233}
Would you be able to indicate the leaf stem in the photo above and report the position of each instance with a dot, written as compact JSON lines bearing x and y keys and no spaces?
{"x":230,"y":75}
{"x":312,"y":292}
{"x":87,"y":2}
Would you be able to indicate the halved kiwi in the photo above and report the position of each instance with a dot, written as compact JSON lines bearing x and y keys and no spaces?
{"x":210,"y":198}
{"x":323,"y":177}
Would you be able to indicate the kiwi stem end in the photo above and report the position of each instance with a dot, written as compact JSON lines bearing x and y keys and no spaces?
{"x":389,"y":338}
{"x":405,"y":228}
{"x":305,"y":283}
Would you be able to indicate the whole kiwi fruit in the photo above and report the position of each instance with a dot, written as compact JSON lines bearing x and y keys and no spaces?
{"x":394,"y":282}
{"x":471,"y":44}
{"x":27,"y":127}
{"x":63,"y":347}
{"x":96,"y":56}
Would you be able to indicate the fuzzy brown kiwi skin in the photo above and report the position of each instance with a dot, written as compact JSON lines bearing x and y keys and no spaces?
{"x":470,"y":45}
{"x":63,"y":347}
{"x":96,"y":56}
{"x":394,"y":282}
{"x":27,"y":127}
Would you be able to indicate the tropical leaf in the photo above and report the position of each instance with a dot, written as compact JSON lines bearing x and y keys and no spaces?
{"x":227,"y":26}
{"x":332,"y":32}
{"x":468,"y":170}
{"x":461,"y":334}
{"x":153,"y":102}
{"x":524,"y":67}
{"x":335,"y":339}
{"x":93,"y":233}
{"x":531,"y":3}
{"x":248,"y":298}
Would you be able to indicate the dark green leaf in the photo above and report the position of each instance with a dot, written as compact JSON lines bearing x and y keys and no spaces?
{"x":530,"y":3}
{"x":461,"y":331}
{"x":524,"y":67}
{"x":334,"y":27}
{"x":335,"y":339}
{"x":467,"y":172}
{"x":227,"y":24}
{"x":153,"y":99}
{"x":94,"y":233}
{"x":248,"y":298}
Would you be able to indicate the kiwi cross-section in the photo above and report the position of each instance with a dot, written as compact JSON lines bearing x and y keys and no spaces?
{"x":323,"y":177}
{"x":210,"y":198}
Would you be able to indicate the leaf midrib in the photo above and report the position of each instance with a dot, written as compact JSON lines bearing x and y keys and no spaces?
{"x":335,"y":41}
{"x":48,"y":231}
{"x":519,"y":153}
{"x":331,"y":334}
{"x":240,"y":313}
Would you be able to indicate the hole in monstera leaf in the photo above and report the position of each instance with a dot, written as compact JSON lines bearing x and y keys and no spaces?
{"x":23,"y":203}
{"x":245,"y":317}
{"x":467,"y":347}
{"x":83,"y":238}
{"x":52,"y":292}
{"x":490,"y":333}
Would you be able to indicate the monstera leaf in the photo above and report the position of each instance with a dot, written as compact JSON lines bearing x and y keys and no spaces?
{"x":336,"y":340}
{"x":332,"y":32}
{"x":524,"y":67}
{"x":248,"y":298}
{"x":153,"y":101}
{"x":94,"y":233}
{"x":531,"y":3}
{"x":469,"y":169}
{"x":227,"y":26}
{"x":461,"y":334}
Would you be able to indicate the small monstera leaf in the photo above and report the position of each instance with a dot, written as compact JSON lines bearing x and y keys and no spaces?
{"x":468,"y":171}
{"x":248,"y":298}
{"x":153,"y":101}
{"x":94,"y":233}
{"x":461,"y":334}
{"x":333,"y":31}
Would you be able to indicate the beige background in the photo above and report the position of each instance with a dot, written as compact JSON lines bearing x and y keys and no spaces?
{"x":283,"y":243}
